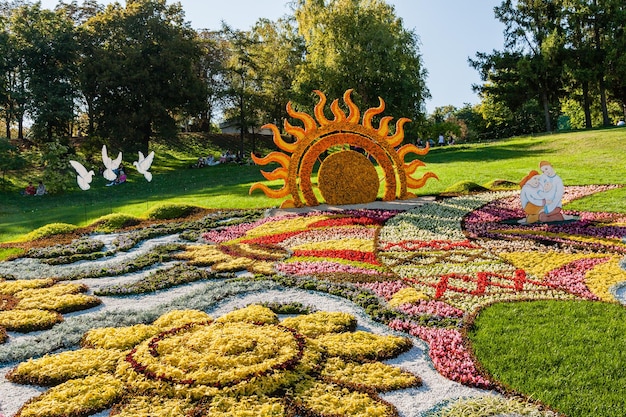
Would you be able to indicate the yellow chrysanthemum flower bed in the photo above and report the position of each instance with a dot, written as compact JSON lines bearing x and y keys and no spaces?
{"x":118,"y":338}
{"x":289,"y":224}
{"x":602,"y":277}
{"x":29,"y":320}
{"x":365,"y":245}
{"x":152,"y":406}
{"x":321,"y":322}
{"x":407,"y":296}
{"x":76,"y":397}
{"x":244,"y":407}
{"x":213,"y":256}
{"x":540,"y":263}
{"x":247,"y":361}
{"x":29,"y":305}
{"x":319,"y":398}
{"x":54,"y":369}
{"x":375,"y":375}
{"x":13,"y":287}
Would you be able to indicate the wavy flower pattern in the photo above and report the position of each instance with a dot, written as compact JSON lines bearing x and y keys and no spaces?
{"x":240,"y":362}
{"x":420,"y":272}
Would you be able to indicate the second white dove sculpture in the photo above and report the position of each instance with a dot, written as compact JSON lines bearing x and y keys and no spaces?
{"x":143,"y":165}
{"x":84,"y":178}
{"x":110,"y":164}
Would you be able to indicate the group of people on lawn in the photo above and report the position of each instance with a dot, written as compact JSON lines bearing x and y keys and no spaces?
{"x":224,"y":158}
{"x":32,"y":190}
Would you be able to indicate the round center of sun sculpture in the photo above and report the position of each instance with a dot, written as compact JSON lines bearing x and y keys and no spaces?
{"x":348,"y":154}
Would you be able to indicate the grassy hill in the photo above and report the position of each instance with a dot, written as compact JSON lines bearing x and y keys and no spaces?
{"x":594,"y":157}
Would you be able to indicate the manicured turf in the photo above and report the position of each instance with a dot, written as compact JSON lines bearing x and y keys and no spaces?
{"x":595,"y":157}
{"x":568,"y":354}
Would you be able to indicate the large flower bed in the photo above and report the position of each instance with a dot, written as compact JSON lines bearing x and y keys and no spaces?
{"x":173,"y":335}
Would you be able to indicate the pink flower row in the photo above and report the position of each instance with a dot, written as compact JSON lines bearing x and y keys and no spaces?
{"x":571,"y":277}
{"x":387,"y":290}
{"x":321,"y":267}
{"x":448,"y":352}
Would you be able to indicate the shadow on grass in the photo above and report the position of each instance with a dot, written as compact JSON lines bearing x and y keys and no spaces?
{"x":469,"y":153}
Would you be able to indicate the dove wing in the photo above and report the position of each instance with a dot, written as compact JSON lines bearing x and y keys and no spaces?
{"x":117,"y":161}
{"x":147,"y":162}
{"x":80,"y":169}
{"x":141,"y":157}
{"x":105,"y":157}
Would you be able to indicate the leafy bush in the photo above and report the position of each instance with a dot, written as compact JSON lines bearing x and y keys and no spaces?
{"x":501,"y":185}
{"x":50,"y":229}
{"x":114,"y":221}
{"x":58,"y":173}
{"x":9,"y":253}
{"x":170,"y":211}
{"x":464,"y":187}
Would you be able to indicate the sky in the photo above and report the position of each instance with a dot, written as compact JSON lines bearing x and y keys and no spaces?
{"x":450,"y":32}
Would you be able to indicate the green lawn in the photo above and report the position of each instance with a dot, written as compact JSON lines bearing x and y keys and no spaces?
{"x":556,"y":352}
{"x":552,"y":351}
{"x":595,"y":157}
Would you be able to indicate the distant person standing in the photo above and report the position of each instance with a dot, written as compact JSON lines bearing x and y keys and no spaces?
{"x":442,"y":140}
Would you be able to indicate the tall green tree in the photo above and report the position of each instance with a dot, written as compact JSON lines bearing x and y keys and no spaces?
{"x":277,"y":50}
{"x":44,"y":63}
{"x":532,"y":61}
{"x":139,"y":70}
{"x":616,"y":53}
{"x":363,"y":45}
{"x":212,"y":68}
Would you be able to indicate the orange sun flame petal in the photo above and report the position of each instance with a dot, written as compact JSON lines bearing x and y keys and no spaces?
{"x":277,"y":174}
{"x":355,"y":113}
{"x":383,"y":128}
{"x":319,"y":109}
{"x":370,"y":113}
{"x":278,"y":157}
{"x":307,"y":120}
{"x":340,"y":116}
{"x":283,"y":192}
{"x":419,"y":183}
{"x":288,"y":204}
{"x":410,"y":148}
{"x":296,"y":131}
{"x":397,"y":139}
{"x":411,"y":167}
{"x":278,"y":139}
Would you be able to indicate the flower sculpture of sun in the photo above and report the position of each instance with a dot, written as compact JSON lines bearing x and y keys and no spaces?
{"x":247,"y":362}
{"x":348,"y":152}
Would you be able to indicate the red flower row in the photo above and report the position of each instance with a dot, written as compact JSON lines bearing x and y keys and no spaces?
{"x":350,"y":255}
{"x":412,"y":245}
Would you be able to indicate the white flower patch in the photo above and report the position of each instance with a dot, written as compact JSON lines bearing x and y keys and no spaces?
{"x":439,"y":220}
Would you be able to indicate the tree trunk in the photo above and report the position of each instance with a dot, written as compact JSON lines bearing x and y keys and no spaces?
{"x":605,"y":113}
{"x":145,"y":140}
{"x":7,"y":120}
{"x":546,"y":110}
{"x":587,"y":105}
{"x":20,"y":127}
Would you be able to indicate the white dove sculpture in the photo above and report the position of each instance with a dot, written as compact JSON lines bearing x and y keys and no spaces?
{"x":143,"y":165}
{"x":84,"y":178}
{"x":110,"y":164}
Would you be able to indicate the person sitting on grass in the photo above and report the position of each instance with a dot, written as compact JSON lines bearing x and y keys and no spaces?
{"x":41,"y":189}
{"x":121,"y":178}
{"x":30,"y":189}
